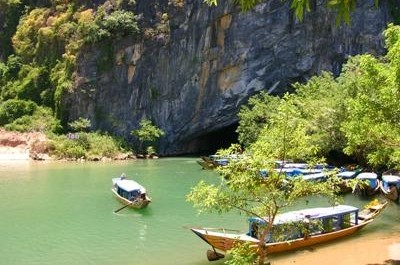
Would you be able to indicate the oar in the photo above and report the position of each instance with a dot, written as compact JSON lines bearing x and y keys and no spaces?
{"x":116,"y":211}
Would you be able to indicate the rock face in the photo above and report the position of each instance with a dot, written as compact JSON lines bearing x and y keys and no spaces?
{"x":192,"y":69}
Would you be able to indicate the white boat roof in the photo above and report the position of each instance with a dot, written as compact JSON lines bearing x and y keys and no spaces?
{"x":346,"y":174}
{"x":313,"y":213}
{"x":367,"y":175}
{"x":128,"y":185}
{"x":314,"y":176}
{"x":390,"y":178}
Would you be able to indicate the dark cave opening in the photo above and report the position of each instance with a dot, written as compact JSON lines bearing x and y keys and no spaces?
{"x":210,"y":143}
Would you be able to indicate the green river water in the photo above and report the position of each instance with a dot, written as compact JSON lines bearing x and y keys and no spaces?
{"x":62,"y":213}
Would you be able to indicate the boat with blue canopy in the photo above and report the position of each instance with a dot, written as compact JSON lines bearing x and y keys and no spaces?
{"x":390,"y":186}
{"x":295,"y":229}
{"x":129,"y":192}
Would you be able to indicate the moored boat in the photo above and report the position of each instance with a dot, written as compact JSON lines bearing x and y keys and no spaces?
{"x":345,"y":176}
{"x":372,"y":184}
{"x":301,"y":228}
{"x":130,"y":193}
{"x":390,"y":186}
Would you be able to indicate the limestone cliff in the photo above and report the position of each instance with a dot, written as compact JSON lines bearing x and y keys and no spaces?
{"x":194,"y":65}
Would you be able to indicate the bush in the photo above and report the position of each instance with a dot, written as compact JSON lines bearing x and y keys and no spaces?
{"x":66,"y":148}
{"x":87,"y":145}
{"x":13,"y":109}
{"x":42,"y":120}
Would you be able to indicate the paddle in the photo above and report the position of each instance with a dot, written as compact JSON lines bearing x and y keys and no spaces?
{"x":116,"y":211}
{"x":135,"y":200}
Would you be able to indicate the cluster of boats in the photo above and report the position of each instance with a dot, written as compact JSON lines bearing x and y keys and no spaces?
{"x":303,"y":228}
{"x":322,"y":224}
{"x":388,"y":183}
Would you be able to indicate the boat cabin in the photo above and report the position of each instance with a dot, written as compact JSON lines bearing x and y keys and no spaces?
{"x":129,"y":189}
{"x":370,"y":177}
{"x":390,"y":180}
{"x":306,"y":222}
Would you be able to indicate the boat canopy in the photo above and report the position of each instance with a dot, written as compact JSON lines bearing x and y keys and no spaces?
{"x":347,"y":174}
{"x":128,"y":185}
{"x":391,"y":178}
{"x":311,"y":213}
{"x":367,"y":175}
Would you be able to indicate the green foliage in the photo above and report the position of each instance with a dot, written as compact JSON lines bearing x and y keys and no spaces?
{"x":61,"y":79}
{"x":32,"y":81}
{"x":42,"y":120}
{"x":48,"y":40}
{"x":13,"y":109}
{"x":394,"y":11}
{"x":147,"y":132}
{"x":10,"y":12}
{"x":92,"y":146}
{"x":120,"y":23}
{"x":242,"y":188}
{"x":254,"y":116}
{"x":313,"y":113}
{"x":343,"y":7}
{"x":241,"y":254}
{"x":80,"y":125}
{"x":300,"y":7}
{"x":372,"y":125}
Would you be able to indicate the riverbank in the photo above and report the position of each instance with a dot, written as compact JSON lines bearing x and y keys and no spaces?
{"x":366,"y":250}
{"x":21,"y":146}
{"x":37,"y":146}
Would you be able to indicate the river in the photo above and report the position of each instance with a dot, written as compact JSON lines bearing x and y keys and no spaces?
{"x":63,"y":213}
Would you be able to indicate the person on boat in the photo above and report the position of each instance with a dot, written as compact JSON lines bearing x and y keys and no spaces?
{"x":307,"y":226}
{"x":254,"y":230}
{"x":123,"y":176}
{"x":394,"y":192}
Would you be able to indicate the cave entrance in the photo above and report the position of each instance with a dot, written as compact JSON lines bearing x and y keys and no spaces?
{"x":209,"y":143}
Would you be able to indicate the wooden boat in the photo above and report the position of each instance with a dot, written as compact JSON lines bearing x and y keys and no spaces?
{"x":372,"y":186}
{"x":130,"y":192}
{"x":345,"y":176}
{"x":322,"y":225}
{"x":207,"y":163}
{"x":390,"y":186}
{"x":214,"y":161}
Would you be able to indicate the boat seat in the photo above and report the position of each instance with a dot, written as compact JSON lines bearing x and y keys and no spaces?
{"x":365,"y":215}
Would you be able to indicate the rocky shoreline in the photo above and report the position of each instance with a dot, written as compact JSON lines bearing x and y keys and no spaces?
{"x":22,"y":146}
{"x":34,"y":146}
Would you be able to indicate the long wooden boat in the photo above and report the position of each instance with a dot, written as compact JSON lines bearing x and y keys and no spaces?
{"x":130,"y":193}
{"x":334,"y":222}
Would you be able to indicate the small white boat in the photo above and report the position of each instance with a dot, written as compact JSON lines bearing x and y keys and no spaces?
{"x":130,"y":192}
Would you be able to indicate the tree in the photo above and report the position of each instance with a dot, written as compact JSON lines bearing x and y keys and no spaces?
{"x":80,"y":124}
{"x":243,"y":188}
{"x":147,"y":133}
{"x":316,"y":108}
{"x":342,"y":7}
{"x":372,"y":126}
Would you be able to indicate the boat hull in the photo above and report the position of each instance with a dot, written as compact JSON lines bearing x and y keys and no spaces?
{"x":225,"y":241}
{"x":141,"y":203}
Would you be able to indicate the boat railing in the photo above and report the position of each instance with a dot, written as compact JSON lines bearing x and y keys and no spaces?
{"x":221,"y":229}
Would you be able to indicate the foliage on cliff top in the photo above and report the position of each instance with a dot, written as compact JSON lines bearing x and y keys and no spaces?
{"x":356,"y":113}
{"x":46,"y":42}
{"x":343,"y":8}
